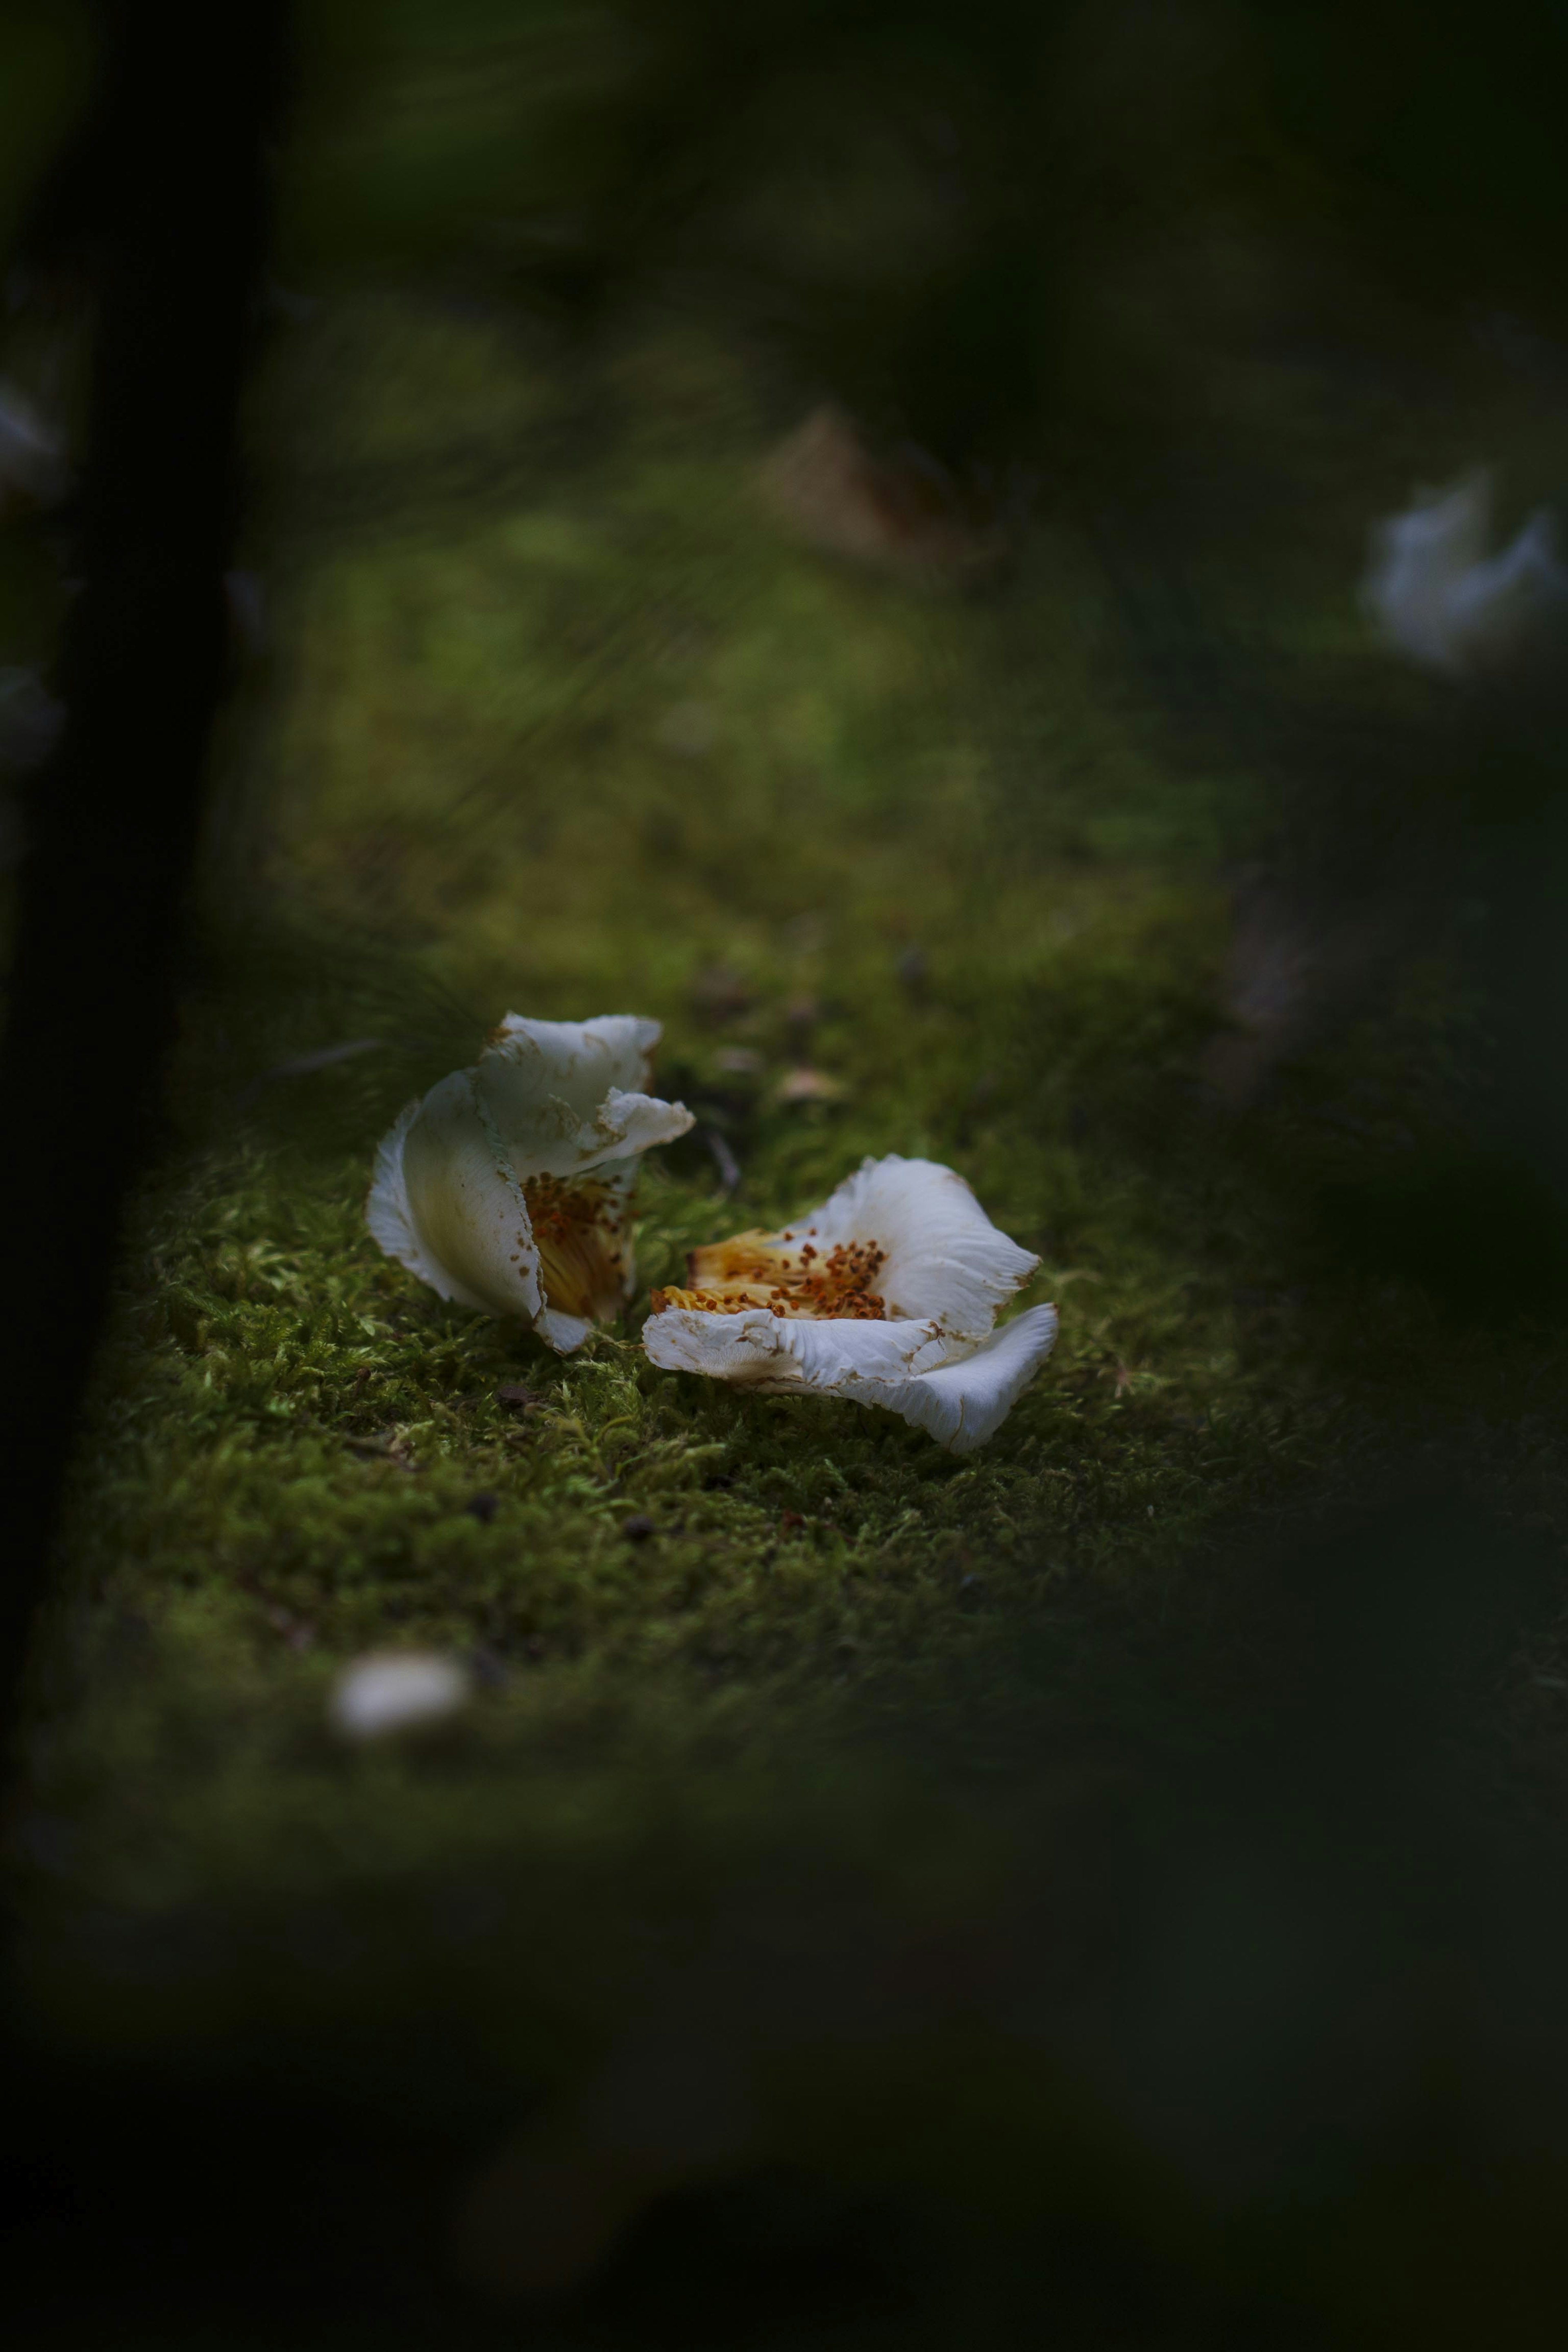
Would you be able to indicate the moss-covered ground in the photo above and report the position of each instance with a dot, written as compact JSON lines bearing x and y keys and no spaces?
{"x":552,"y":719}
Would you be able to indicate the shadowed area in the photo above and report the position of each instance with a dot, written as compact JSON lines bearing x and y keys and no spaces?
{"x":842,"y":539}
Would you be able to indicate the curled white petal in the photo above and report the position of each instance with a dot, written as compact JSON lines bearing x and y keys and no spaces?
{"x":394,"y":1690}
{"x":545,"y":1112}
{"x":760,"y":1350}
{"x":961,"y":1390}
{"x":466,"y":1204}
{"x":573,"y":1095}
{"x":1436,"y":593}
{"x":944,"y":1258}
{"x":963,"y":1403}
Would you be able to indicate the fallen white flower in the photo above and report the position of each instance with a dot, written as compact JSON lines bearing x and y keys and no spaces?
{"x":509,"y":1188}
{"x":886,"y":1295}
{"x":394,"y":1690}
{"x":1437,"y":594}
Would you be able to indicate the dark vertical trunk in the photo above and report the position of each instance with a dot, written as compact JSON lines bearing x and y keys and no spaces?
{"x":171,"y":187}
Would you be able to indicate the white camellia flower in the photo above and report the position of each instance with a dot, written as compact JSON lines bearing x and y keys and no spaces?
{"x":1437,"y":594}
{"x":886,"y":1295}
{"x":391,"y":1690}
{"x":509,"y":1188}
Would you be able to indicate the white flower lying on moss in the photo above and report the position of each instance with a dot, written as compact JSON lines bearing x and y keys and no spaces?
{"x":1437,"y":594}
{"x":509,"y":1188}
{"x":393,"y":1690}
{"x":886,"y":1295}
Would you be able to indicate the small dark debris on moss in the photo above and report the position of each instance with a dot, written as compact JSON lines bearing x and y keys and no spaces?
{"x":517,"y":1397}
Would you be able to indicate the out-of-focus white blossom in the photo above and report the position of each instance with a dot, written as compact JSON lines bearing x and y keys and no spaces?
{"x":394,"y":1690}
{"x":886,"y":1295}
{"x":509,"y":1188}
{"x":1436,"y":592}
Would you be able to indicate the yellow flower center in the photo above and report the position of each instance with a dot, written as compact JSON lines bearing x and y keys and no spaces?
{"x":786,"y":1276}
{"x":577,"y":1231}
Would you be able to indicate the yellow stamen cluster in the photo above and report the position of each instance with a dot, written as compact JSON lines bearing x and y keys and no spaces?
{"x":577,"y":1233}
{"x":759,"y":1270}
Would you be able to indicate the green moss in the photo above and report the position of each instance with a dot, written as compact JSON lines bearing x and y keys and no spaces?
{"x":469,"y":797}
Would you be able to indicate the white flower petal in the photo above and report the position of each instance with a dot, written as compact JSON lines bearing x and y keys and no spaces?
{"x":964,"y":1403}
{"x":944,"y":1258}
{"x":958,"y":1390}
{"x":1437,"y":594}
{"x":564,"y":1332}
{"x":466,"y":1207}
{"x":389,"y":1213}
{"x":760,"y":1350}
{"x":553,"y":1105}
{"x":1499,"y":611}
{"x":888,"y":1293}
{"x":393,"y":1690}
{"x":613,"y":1049}
{"x":568,"y":1096}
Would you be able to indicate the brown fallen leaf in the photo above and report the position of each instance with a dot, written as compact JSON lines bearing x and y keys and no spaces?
{"x":824,"y":485}
{"x":517,"y":1397}
{"x":804,"y":1086}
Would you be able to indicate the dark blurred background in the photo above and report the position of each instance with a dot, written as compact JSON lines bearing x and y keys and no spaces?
{"x":1289,"y":1973}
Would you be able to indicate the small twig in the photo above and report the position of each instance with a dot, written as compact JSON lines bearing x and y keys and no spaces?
{"x":303,"y":1063}
{"x":724,"y":1159}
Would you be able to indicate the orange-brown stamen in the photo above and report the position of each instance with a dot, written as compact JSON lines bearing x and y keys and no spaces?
{"x":577,"y":1232}
{"x":756,"y":1270}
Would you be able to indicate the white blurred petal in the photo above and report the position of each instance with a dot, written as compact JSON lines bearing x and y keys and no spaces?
{"x":1437,"y":594}
{"x":391,"y":1691}
{"x":1505,"y":607}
